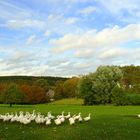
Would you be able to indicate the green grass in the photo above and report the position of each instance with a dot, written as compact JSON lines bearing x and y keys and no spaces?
{"x":107,"y":123}
{"x":70,"y":101}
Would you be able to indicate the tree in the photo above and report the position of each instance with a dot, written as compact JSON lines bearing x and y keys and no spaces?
{"x":12,"y":95}
{"x":2,"y":88}
{"x":58,"y":90}
{"x":70,"y":87}
{"x":33,"y":94}
{"x":99,"y":85}
{"x":42,"y":83}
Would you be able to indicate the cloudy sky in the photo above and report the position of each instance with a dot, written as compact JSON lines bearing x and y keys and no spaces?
{"x":67,"y":37}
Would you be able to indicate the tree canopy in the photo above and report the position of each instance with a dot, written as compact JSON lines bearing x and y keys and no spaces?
{"x":12,"y":95}
{"x":99,"y":85}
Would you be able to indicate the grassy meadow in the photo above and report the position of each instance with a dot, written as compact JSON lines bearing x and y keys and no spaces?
{"x":107,"y":123}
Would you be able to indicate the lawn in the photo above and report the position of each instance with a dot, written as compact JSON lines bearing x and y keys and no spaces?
{"x":107,"y":123}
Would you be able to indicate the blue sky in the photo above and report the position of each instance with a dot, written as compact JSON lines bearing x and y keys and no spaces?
{"x":67,"y":37}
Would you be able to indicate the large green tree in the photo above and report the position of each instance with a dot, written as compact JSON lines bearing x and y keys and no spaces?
{"x":12,"y":95}
{"x":96,"y":88}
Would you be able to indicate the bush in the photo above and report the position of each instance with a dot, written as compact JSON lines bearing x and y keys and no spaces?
{"x":119,"y":96}
{"x":133,"y":99}
{"x":91,"y":99}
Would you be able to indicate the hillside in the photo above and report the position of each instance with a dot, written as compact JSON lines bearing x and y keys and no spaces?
{"x":30,"y":79}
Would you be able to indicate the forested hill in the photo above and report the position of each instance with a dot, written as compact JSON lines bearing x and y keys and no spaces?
{"x":30,"y":79}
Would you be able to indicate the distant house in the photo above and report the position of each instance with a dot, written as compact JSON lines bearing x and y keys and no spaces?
{"x":50,"y":94}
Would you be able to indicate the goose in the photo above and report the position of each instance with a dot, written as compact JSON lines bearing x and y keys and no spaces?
{"x":62,"y":119}
{"x":72,"y":120}
{"x":32,"y":117}
{"x":25,"y":121}
{"x":87,"y":118}
{"x":78,"y":116}
{"x":20,"y":117}
{"x":11,"y":116}
{"x":6,"y":117}
{"x":62,"y":115}
{"x":57,"y":121}
{"x":38,"y":118}
{"x":80,"y":119}
{"x":27,"y":115}
{"x":48,"y":122}
{"x":68,"y":116}
{"x":50,"y":116}
{"x":14,"y":118}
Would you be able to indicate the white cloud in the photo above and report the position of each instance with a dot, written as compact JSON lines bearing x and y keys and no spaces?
{"x":93,"y":39}
{"x":17,"y":24}
{"x":112,"y":53}
{"x":31,"y":40}
{"x":84,"y":53}
{"x":119,"y":7}
{"x":88,"y":10}
{"x":71,"y":20}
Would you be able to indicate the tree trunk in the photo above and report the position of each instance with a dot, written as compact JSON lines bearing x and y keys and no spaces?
{"x":10,"y":104}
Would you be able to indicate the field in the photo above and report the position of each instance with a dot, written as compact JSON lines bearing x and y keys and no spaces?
{"x":107,"y":123}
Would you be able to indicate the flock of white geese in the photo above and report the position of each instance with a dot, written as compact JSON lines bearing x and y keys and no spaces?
{"x":26,"y":118}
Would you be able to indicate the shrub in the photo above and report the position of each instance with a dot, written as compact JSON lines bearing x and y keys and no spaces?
{"x":133,"y":99}
{"x":90,"y":99}
{"x":119,"y":96}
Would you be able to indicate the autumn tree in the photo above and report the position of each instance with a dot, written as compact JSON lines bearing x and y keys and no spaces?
{"x":33,"y":94}
{"x":58,"y":90}
{"x":70,"y":87}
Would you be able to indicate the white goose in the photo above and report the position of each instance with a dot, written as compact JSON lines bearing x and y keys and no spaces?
{"x":48,"y":122}
{"x":87,"y":118}
{"x":80,"y":119}
{"x":78,"y":116}
{"x":68,"y":116}
{"x":25,"y":121}
{"x":72,"y":120}
{"x":62,"y":115}
{"x":50,"y":116}
{"x":57,"y":121}
{"x":14,"y":118}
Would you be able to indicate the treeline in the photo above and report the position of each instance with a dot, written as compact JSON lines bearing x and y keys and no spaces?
{"x":27,"y":89}
{"x":108,"y":85}
{"x":34,"y":90}
{"x":30,"y":79}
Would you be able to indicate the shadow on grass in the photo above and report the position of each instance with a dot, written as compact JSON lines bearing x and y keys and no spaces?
{"x":16,"y":106}
{"x":132,"y":116}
